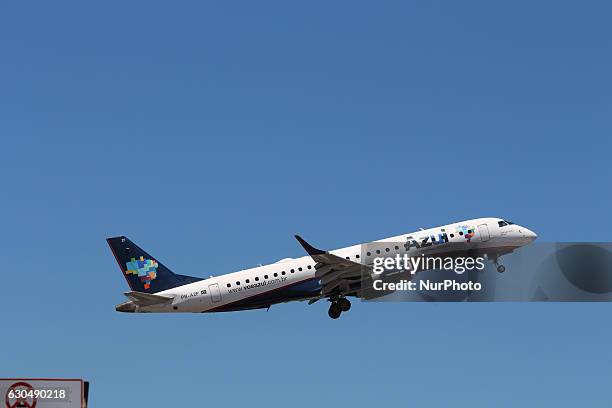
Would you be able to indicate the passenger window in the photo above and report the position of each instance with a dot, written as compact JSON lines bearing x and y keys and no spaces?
{"x":299,"y":269}
{"x":238,"y":283}
{"x":309,"y":266}
{"x":265,"y":276}
{"x":247,"y":281}
{"x":257,"y":278}
{"x":283,"y":272}
{"x":229,"y":285}
{"x":275,"y":274}
{"x":357,"y":256}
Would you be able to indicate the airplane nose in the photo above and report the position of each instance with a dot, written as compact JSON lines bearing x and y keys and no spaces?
{"x":529,"y":234}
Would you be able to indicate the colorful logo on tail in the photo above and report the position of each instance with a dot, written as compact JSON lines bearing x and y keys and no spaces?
{"x":145,"y":269}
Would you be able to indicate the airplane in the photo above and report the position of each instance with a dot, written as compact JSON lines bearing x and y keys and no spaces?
{"x":332,"y":275}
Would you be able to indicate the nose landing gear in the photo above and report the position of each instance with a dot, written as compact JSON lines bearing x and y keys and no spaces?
{"x":500,"y":268}
{"x":338,"y":306}
{"x":496,"y":260}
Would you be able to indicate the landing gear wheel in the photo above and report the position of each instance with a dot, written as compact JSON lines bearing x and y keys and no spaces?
{"x":345,"y":304}
{"x":334,"y":310}
{"x":501,"y":268}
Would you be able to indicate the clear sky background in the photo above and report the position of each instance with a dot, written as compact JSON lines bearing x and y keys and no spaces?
{"x":211,"y":132}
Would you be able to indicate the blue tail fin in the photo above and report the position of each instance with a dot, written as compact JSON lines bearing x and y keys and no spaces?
{"x":143,"y":272}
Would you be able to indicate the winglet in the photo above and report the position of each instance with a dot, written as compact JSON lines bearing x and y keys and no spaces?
{"x":309,"y":248}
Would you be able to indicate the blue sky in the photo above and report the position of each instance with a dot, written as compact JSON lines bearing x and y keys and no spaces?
{"x":210,"y":133}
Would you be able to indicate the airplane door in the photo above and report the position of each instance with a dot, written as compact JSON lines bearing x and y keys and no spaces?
{"x":215,"y":293}
{"x":484,"y":232}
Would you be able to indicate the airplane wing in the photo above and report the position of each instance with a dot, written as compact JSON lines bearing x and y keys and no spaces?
{"x":338,"y":276}
{"x":147,"y":299}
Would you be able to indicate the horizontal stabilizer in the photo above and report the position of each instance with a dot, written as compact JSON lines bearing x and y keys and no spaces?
{"x":147,"y":299}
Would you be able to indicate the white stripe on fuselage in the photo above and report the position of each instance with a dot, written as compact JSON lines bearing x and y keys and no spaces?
{"x":198,"y":296}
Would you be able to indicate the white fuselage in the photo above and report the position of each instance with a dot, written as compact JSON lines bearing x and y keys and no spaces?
{"x":221,"y":292}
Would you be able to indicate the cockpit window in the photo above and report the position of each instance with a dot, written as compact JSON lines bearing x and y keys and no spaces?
{"x":509,"y":222}
{"x":502,"y":223}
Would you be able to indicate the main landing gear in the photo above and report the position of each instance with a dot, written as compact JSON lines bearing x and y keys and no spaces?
{"x":338,"y":306}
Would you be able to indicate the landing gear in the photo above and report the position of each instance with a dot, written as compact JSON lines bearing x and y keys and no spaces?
{"x":338,"y":306}
{"x":500,"y":268}
{"x":334,"y":310}
{"x":345,"y":304}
